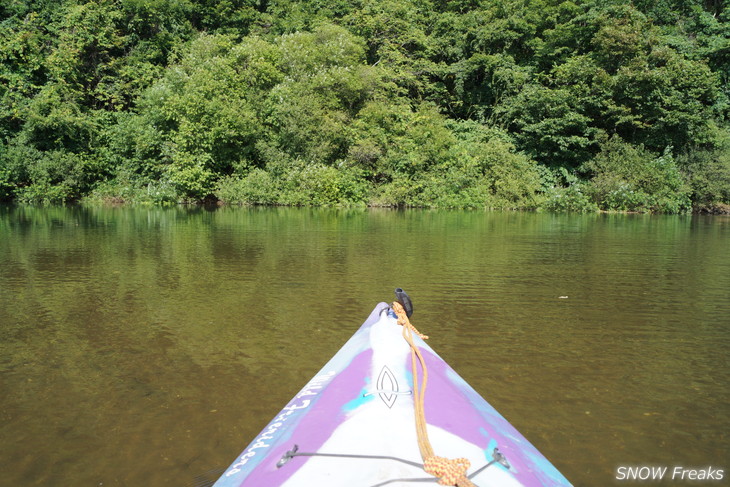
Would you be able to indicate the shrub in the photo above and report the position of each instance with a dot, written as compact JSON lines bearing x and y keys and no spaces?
{"x":127,"y":187}
{"x":454,"y":188}
{"x":190,"y":175}
{"x":7,"y":180}
{"x":564,"y":192}
{"x":514,"y":178}
{"x":708,"y":175}
{"x":257,"y":187}
{"x":320,"y":185}
{"x":630,"y":178}
{"x":571,"y":198}
{"x":46,"y":177}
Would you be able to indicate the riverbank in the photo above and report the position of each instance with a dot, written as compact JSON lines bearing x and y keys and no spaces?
{"x":211,"y":203}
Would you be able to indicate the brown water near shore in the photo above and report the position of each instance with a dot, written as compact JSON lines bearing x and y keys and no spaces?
{"x":149,"y":346}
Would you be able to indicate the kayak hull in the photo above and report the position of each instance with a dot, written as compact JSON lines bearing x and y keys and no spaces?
{"x":353,"y":424}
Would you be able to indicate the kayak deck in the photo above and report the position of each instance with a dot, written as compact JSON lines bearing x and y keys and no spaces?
{"x":353,"y":424}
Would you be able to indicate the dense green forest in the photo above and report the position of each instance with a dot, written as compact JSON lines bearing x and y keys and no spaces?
{"x":550,"y":104}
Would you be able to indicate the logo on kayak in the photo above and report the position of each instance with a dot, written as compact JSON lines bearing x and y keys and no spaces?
{"x":387,"y":387}
{"x":295,"y":408}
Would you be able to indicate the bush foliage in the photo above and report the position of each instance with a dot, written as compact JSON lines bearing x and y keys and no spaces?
{"x":565,"y":106}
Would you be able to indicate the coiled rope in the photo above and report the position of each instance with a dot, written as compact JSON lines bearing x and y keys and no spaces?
{"x":448,"y":471}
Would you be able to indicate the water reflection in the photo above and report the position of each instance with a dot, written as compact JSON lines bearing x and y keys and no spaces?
{"x":148,"y":346}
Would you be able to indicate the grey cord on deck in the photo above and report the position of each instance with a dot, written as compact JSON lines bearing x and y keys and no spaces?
{"x":346,"y":455}
{"x":295,"y":453}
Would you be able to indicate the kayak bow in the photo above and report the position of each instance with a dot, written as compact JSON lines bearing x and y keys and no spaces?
{"x":354,"y":425}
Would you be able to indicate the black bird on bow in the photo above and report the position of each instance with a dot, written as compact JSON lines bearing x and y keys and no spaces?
{"x":402,"y":297}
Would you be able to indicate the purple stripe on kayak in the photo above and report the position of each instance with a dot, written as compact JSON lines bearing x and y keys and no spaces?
{"x":300,"y":422}
{"x":479,"y":423}
{"x":316,"y":427}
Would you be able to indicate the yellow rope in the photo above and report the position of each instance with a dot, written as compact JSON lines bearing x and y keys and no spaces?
{"x":448,"y":471}
{"x":403,"y":320}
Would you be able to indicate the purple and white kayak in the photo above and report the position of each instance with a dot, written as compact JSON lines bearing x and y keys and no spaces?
{"x":353,"y":425}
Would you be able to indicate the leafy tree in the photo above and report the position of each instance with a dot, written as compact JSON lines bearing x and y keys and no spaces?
{"x":233,"y":17}
{"x":22,"y":68}
{"x":88,"y":42}
{"x":550,"y":125}
{"x":395,"y":38}
{"x":326,"y":85}
{"x":197,"y":119}
{"x":621,"y":79}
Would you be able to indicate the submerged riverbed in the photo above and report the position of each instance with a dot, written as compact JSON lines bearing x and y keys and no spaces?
{"x":149,"y":346}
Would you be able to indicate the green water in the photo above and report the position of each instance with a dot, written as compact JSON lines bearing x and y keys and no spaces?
{"x":147,"y":347}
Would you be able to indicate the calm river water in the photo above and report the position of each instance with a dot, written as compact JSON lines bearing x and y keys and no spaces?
{"x":147,"y":347}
